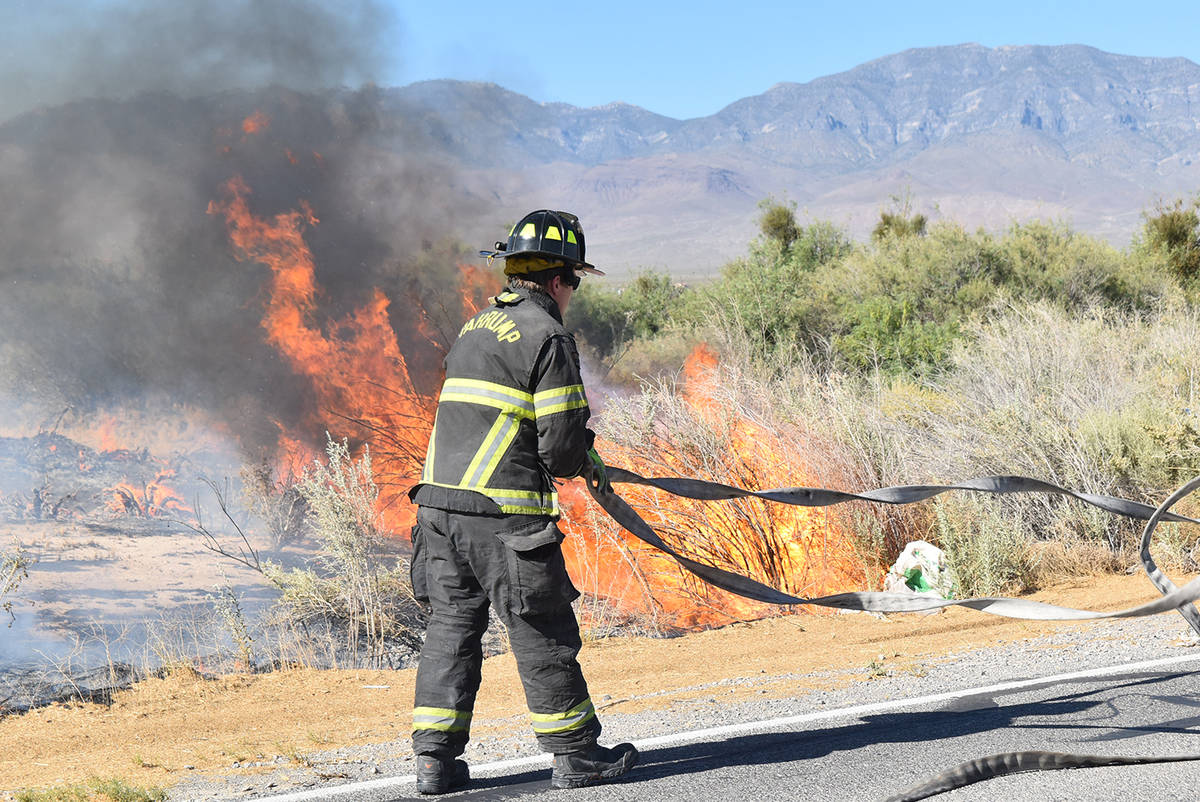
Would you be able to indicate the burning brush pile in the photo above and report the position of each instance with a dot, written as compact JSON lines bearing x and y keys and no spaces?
{"x":51,"y":477}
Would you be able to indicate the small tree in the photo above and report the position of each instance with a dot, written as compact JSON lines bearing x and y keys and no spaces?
{"x":778,"y":221}
{"x":1174,"y":231}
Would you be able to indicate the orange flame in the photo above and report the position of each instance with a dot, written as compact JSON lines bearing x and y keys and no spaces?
{"x":106,"y":434}
{"x":256,"y":123}
{"x":355,"y":366}
{"x":799,"y":550}
{"x":153,"y":500}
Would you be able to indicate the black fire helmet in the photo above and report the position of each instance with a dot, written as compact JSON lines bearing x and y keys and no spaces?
{"x":546,"y":234}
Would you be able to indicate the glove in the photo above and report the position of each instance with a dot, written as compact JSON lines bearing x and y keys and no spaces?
{"x":598,"y":477}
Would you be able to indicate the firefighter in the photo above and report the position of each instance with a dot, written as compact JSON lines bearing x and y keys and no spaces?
{"x":512,"y":416}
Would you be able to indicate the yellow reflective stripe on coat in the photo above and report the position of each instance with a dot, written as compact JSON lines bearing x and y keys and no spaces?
{"x":430,"y":453}
{"x":497,"y":441}
{"x":560,"y":399}
{"x":514,"y":502}
{"x":523,"y":502}
{"x":473,"y":391}
{"x":573,"y":719}
{"x":441,"y":719}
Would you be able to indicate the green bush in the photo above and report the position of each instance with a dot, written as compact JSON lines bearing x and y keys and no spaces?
{"x":1173,"y":232}
{"x":988,"y":553}
{"x":607,"y":319}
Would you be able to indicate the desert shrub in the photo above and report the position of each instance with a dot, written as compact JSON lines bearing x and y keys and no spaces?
{"x":892,"y":224}
{"x":1043,"y":261}
{"x":900,"y":302}
{"x":988,"y":552}
{"x":1103,"y":402}
{"x":901,"y":305}
{"x":349,"y":580}
{"x":768,"y":295}
{"x":275,"y":501}
{"x":1173,"y":233}
{"x":356,"y":583}
{"x":651,"y":359}
{"x":228,"y":608}
{"x":14,"y":568}
{"x":718,"y":423}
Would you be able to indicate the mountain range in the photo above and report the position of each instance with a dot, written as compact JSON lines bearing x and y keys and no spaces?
{"x":982,"y":136}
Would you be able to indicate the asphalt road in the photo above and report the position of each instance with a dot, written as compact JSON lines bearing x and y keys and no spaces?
{"x":870,"y":752}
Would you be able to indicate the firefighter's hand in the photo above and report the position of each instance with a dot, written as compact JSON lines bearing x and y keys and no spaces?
{"x":598,"y":477}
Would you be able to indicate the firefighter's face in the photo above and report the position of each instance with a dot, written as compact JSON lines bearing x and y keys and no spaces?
{"x":561,"y":291}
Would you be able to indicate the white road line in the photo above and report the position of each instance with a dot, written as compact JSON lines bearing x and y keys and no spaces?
{"x":749,"y":726}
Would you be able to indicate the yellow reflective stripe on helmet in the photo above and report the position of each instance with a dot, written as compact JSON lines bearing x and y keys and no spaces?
{"x":441,"y":719}
{"x":473,"y":391}
{"x":571,"y":237}
{"x":498,"y":438}
{"x":528,"y":231}
{"x":573,"y":719}
{"x":553,"y":233}
{"x":560,"y":399}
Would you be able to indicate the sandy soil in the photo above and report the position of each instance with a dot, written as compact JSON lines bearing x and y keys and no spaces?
{"x":164,"y":730}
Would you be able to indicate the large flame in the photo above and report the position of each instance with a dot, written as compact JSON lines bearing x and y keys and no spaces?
{"x":355,"y":367}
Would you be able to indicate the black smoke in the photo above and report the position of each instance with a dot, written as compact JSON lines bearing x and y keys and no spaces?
{"x":116,"y":287}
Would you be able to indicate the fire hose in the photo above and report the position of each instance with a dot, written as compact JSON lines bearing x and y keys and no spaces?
{"x":1172,"y":598}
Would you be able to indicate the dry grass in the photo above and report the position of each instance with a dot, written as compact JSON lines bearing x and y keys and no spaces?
{"x":1102,"y":402}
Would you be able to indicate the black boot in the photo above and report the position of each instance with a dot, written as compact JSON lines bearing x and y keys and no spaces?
{"x":437,"y":776}
{"x":592,"y":765}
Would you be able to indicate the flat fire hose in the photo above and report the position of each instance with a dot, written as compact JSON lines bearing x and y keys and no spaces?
{"x":1172,"y":598}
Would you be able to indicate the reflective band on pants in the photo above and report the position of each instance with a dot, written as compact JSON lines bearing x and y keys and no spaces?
{"x":573,"y":719}
{"x":441,"y":719}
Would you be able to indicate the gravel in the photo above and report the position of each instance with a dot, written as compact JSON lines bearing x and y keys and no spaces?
{"x":734,"y":700}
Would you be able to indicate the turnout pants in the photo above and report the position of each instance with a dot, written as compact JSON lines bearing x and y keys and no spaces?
{"x":462,"y":562}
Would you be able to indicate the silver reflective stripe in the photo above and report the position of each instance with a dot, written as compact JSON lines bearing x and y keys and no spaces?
{"x":573,"y":719}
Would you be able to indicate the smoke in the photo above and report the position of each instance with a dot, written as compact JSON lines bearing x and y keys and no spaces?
{"x":116,"y":287}
{"x":54,"y":51}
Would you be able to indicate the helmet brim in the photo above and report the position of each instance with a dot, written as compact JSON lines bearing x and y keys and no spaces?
{"x":572,"y":263}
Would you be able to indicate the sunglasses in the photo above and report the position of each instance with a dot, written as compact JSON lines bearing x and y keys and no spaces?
{"x":572,"y":280}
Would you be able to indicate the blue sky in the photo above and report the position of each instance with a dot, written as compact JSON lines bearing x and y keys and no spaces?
{"x":681,"y":59}
{"x":690,"y":59}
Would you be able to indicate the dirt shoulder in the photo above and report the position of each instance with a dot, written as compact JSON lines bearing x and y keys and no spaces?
{"x":168,"y":731}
